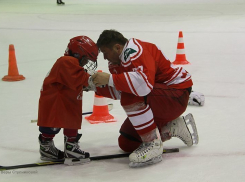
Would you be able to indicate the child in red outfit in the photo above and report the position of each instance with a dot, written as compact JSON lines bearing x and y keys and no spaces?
{"x":60,"y":103}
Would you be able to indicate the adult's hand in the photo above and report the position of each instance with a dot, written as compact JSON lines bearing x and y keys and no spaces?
{"x":100,"y":78}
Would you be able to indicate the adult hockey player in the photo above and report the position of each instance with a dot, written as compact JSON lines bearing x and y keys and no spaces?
{"x":152,"y":92}
{"x":60,"y":103}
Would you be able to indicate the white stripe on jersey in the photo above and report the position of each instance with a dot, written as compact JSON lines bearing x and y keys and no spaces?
{"x":187,"y":79}
{"x":177,"y":72}
{"x":141,"y":117}
{"x":126,"y":64}
{"x":129,"y":83}
{"x":115,"y":94}
{"x":138,"y":83}
{"x":145,"y":78}
{"x":139,"y":51}
{"x":180,"y":76}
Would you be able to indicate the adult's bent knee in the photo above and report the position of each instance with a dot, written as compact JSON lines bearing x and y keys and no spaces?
{"x":127,"y":145}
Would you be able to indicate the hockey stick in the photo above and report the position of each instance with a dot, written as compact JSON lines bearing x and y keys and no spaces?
{"x":95,"y":158}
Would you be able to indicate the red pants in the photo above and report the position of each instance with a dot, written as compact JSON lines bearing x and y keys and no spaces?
{"x":166,"y":103}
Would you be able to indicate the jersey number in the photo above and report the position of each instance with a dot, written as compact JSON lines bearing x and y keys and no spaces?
{"x":139,"y":68}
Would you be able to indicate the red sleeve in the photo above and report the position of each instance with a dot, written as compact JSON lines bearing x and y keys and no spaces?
{"x":67,"y":71}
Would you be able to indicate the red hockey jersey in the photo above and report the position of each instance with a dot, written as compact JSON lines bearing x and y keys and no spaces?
{"x":60,"y":103}
{"x":142,"y":65}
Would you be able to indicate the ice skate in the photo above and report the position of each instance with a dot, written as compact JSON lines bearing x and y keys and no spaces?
{"x":48,"y":151}
{"x":73,"y":154}
{"x":183,"y":128}
{"x":147,"y":154}
{"x":59,"y":2}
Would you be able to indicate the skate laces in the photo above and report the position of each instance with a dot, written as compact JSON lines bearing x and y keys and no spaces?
{"x":179,"y":132}
{"x":144,"y":148}
{"x":76,"y":146}
{"x":49,"y":146}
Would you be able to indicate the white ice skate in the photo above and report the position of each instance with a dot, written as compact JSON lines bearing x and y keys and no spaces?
{"x":147,"y":153}
{"x":183,"y":128}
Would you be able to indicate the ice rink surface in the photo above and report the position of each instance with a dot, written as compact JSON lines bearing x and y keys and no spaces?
{"x":214,"y":37}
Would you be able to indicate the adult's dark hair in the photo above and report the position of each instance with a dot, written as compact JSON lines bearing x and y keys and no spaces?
{"x":108,"y":38}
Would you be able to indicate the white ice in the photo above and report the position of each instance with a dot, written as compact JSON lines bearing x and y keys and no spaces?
{"x":214,"y":37}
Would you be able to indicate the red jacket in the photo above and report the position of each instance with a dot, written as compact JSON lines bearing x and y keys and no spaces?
{"x":60,"y":103}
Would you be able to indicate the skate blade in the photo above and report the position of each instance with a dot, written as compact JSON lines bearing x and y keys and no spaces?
{"x":74,"y":161}
{"x":149,"y":162}
{"x":189,"y":119}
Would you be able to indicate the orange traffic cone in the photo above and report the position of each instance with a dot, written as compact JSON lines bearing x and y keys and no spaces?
{"x":13,"y":73}
{"x":100,"y":111}
{"x":180,"y":54}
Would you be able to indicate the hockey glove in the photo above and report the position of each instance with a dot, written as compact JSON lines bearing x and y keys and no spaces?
{"x":91,"y":86}
{"x":196,"y":98}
